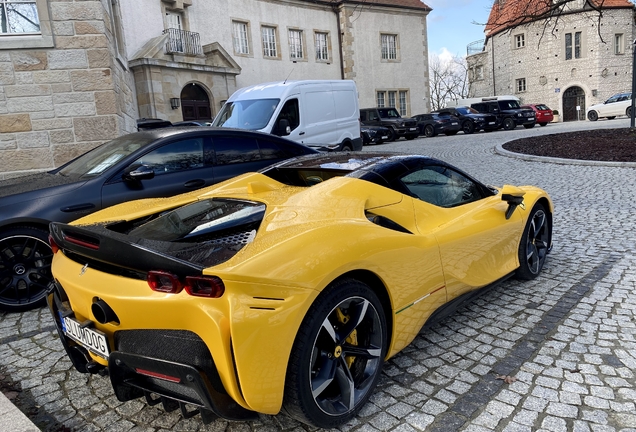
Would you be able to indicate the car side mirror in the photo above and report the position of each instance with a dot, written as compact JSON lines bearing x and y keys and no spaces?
{"x":138,"y":172}
{"x":283,"y":127}
{"x":513,"y":196}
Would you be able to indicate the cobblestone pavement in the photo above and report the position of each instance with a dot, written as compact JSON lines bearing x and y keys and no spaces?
{"x":565,"y":341}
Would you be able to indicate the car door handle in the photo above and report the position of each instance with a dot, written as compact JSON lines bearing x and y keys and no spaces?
{"x":194,"y":183}
{"x":301,"y":133}
{"x":77,"y":207}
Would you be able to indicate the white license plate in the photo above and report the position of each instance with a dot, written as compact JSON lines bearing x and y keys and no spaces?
{"x":413,"y":129}
{"x":530,"y":118}
{"x":454,"y":123}
{"x":385,"y":137}
{"x":491,"y":122}
{"x":89,"y":338}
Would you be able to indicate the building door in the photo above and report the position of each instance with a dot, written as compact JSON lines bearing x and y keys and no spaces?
{"x":572,"y":98}
{"x":195,"y":104}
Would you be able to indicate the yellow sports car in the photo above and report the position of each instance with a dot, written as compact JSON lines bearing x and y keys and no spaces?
{"x":285,"y":289}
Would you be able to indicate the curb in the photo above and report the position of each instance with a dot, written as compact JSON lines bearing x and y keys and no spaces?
{"x":532,"y":158}
{"x":12,"y":419}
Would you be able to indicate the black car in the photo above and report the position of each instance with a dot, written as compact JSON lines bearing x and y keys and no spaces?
{"x":470,"y":119}
{"x":435,"y":123}
{"x":147,"y":164}
{"x":508,"y":112}
{"x":374,"y":134}
{"x":390,"y":118}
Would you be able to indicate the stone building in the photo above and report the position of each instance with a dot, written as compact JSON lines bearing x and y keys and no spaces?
{"x":76,"y":73}
{"x":569,"y":64}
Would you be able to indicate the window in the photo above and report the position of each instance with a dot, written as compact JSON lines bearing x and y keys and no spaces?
{"x":231,"y":150}
{"x":521,"y":85}
{"x":403,"y":108}
{"x":389,"y":46}
{"x":619,"y":44}
{"x":268,"y":35}
{"x":392,"y":99}
{"x":322,"y":46}
{"x":25,"y":24}
{"x":441,"y":186}
{"x":568,"y":45}
{"x":296,"y":51}
{"x":380,"y":96}
{"x":19,"y":17}
{"x":240,"y":37}
{"x":177,"y":156}
{"x":520,"y":41}
{"x":290,"y":112}
{"x":479,"y":72}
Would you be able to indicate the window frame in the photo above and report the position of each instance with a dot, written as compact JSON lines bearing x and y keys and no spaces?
{"x":521,"y":85}
{"x":479,"y":72}
{"x":296,"y":42}
{"x":400,"y":97}
{"x":327,"y":47}
{"x":275,"y":42}
{"x":41,"y":39}
{"x":389,"y":47}
{"x":619,"y":43}
{"x":520,"y":40}
{"x":236,"y":37}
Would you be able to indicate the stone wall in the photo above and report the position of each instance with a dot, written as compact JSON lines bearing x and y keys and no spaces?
{"x":56,"y":103}
{"x":599,"y":71}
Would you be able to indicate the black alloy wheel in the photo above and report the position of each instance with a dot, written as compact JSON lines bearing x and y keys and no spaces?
{"x":592,"y":116}
{"x":535,"y":243}
{"x":529,"y":126}
{"x":25,"y":268}
{"x":429,"y":131}
{"x":628,"y":112}
{"x":543,"y":124}
{"x":509,"y":124}
{"x":337,"y":356}
{"x":468,"y":127}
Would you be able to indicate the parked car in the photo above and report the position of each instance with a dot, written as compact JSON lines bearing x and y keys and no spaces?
{"x":321,"y":113}
{"x":470,"y":119}
{"x":390,"y":118}
{"x":286,"y":288}
{"x":153,"y":163}
{"x":374,"y":134}
{"x":507,"y":110}
{"x":435,"y":123}
{"x":193,"y":123}
{"x":618,"y":105}
{"x":542,"y":113}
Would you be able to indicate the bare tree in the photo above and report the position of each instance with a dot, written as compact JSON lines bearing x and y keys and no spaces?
{"x":448,"y":80}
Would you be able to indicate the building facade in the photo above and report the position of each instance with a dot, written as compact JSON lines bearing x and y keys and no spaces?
{"x":581,"y":59}
{"x":76,"y":73}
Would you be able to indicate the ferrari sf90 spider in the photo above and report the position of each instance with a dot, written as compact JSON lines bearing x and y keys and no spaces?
{"x":287,"y":288}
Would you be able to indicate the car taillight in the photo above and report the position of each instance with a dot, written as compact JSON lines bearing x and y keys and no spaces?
{"x":164,"y":282}
{"x":54,"y":246}
{"x":204,"y":286}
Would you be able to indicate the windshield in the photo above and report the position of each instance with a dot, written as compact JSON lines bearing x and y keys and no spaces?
{"x":508,"y":104}
{"x":246,"y":114}
{"x":467,"y":110}
{"x":101,"y":158}
{"x":388,"y":113}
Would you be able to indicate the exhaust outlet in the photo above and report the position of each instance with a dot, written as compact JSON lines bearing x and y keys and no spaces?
{"x":103,"y":313}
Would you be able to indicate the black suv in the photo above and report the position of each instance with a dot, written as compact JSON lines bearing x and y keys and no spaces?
{"x":390,"y":118}
{"x":508,"y":112}
{"x":470,"y":119}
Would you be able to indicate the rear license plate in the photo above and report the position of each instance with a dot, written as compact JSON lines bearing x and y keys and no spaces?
{"x":91,"y":339}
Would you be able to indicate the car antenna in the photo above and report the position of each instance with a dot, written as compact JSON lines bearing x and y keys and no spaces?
{"x":285,"y":82}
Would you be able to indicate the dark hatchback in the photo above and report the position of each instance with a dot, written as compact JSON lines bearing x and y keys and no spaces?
{"x":147,"y":164}
{"x":435,"y":123}
{"x":470,"y":119}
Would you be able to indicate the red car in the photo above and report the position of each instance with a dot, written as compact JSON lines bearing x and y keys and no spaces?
{"x":543,"y":113}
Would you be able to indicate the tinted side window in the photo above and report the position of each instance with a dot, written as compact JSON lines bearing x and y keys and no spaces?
{"x":290,"y":113}
{"x":271,"y":150}
{"x":441,"y":186}
{"x":479,"y":107}
{"x":231,"y":150}
{"x":363,"y":115}
{"x":176,"y":156}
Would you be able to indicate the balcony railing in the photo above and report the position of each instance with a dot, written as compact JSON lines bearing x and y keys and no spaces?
{"x":183,"y":42}
{"x":475,"y":47}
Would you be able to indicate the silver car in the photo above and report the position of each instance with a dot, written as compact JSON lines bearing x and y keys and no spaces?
{"x":618,"y":105}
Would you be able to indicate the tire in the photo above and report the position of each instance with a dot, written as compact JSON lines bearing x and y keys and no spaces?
{"x":611,"y":117}
{"x":346,"y":147}
{"x":542,"y":124}
{"x":592,"y":116}
{"x":450,"y":133}
{"x":429,"y":131}
{"x":25,"y":268}
{"x":410,"y":137}
{"x":392,"y":135}
{"x":321,"y":365}
{"x":529,"y":126}
{"x":468,"y":127}
{"x":628,"y":112}
{"x":535,"y":242}
{"x":509,"y":124}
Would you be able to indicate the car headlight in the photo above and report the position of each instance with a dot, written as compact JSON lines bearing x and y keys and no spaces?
{"x":519,"y":115}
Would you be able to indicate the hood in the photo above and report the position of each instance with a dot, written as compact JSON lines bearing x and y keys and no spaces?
{"x":36,"y":182}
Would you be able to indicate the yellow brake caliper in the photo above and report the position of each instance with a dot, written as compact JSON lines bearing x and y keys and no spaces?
{"x":351,"y":339}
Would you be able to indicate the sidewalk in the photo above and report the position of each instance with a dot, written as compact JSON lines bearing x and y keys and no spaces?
{"x":12,"y":419}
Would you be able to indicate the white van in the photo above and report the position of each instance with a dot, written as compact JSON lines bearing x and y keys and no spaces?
{"x":316,"y":113}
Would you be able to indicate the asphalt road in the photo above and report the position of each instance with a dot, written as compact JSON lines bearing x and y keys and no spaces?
{"x":566,"y":341}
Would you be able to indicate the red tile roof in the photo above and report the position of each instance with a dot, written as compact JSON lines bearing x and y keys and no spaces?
{"x":508,"y":13}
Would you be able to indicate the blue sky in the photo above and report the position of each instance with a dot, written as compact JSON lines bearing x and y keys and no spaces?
{"x":450,"y":25}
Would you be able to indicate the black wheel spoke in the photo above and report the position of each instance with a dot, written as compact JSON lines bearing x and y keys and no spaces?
{"x":346,"y":384}
{"x":325,"y":376}
{"x":356,"y":316}
{"x":358,"y":351}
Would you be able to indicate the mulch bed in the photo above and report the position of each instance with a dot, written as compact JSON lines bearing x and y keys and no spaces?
{"x":612,"y":145}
